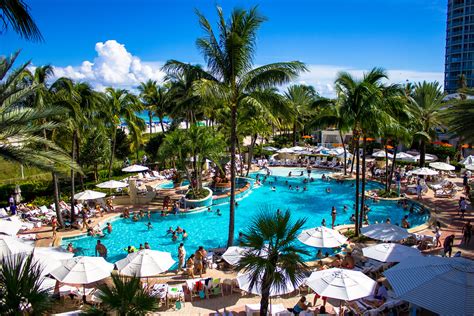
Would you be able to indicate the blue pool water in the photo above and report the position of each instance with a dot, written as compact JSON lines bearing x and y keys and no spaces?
{"x":169,"y":184}
{"x":209,"y":230}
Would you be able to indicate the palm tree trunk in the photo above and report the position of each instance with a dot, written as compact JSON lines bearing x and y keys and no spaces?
{"x":264,"y":301}
{"x":345,"y":152}
{"x":386,"y":165}
{"x":353,"y":146}
{"x":389,"y":180}
{"x":233,"y":140}
{"x":294,"y":133}
{"x":357,"y":223}
{"x":422,"y":152}
{"x":161,"y":124}
{"x":241,"y":173}
{"x":59,"y":215}
{"x":73,"y":180}
{"x":362,"y":200}
{"x":150,"y":120}
{"x":252,"y":145}
{"x":112,"y":153}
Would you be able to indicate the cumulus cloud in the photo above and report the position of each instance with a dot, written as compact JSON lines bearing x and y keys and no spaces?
{"x":113,"y":66}
{"x":116,"y":67}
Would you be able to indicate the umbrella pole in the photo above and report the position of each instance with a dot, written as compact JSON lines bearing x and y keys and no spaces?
{"x":84,"y":293}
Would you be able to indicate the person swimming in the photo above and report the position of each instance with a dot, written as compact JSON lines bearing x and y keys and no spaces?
{"x":273,"y":189}
{"x":170,"y":231}
{"x":218,"y":212}
{"x":345,"y":208}
{"x":328,"y":190}
{"x":149,"y":225}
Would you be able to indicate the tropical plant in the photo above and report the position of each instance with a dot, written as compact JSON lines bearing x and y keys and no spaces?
{"x":229,"y":55}
{"x":127,"y":296}
{"x":458,"y":115}
{"x":122,"y":105}
{"x":426,"y":105}
{"x":274,"y":257}
{"x":20,"y":287}
{"x":156,"y":100}
{"x":14,"y":14}
{"x":299,"y":98}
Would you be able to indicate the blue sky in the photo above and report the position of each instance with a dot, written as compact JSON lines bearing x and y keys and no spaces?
{"x":407,"y":37}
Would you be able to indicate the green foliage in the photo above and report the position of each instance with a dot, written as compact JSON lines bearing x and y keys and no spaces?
{"x":387,"y":194}
{"x":441,"y":152}
{"x":30,"y":190}
{"x":350,"y":234}
{"x":153,"y":145}
{"x":274,"y":256}
{"x":127,"y":297}
{"x":122,"y":149}
{"x":197,"y":194}
{"x":282,"y":140}
{"x":20,"y":280}
{"x":95,"y":150}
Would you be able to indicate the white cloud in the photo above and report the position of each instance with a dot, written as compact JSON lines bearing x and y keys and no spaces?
{"x":115,"y":66}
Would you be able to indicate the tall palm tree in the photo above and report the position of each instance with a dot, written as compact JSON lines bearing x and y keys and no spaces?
{"x":360,"y":101}
{"x":458,"y":115}
{"x":156,"y":100}
{"x":20,"y":287}
{"x":426,"y":105}
{"x":299,"y":98}
{"x":274,"y":258}
{"x":229,"y":55}
{"x":127,"y":296}
{"x":122,"y":105}
{"x":14,"y":14}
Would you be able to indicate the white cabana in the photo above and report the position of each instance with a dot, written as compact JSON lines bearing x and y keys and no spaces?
{"x":390,"y":252}
{"x":424,"y":172}
{"x":341,"y":284}
{"x":322,"y":237}
{"x":381,"y":154}
{"x":469,"y":160}
{"x":244,"y":280}
{"x":83,"y":270}
{"x":135,"y":168}
{"x":9,"y":227}
{"x":10,"y":246}
{"x":89,"y":195}
{"x":112,"y":184}
{"x":49,"y":258}
{"x":145,"y":263}
{"x":442,"y":166}
{"x":404,"y":156}
{"x":385,"y":232}
{"x":444,"y":286}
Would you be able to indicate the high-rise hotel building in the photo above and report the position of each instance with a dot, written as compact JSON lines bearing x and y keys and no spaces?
{"x":459,"y":58}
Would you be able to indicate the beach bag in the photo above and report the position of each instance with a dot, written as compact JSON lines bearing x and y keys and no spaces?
{"x":178,"y":305}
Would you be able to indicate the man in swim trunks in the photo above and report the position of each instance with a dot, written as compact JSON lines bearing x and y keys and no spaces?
{"x":100,"y":248}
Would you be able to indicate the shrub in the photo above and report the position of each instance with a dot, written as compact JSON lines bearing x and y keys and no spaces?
{"x":152,"y":146}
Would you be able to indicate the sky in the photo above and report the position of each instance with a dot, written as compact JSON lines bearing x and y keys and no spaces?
{"x":120,"y":43}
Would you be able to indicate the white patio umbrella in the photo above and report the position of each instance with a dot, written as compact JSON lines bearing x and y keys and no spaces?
{"x":428,"y":157}
{"x":469,"y":167}
{"x":10,"y":228}
{"x":390,"y":252}
{"x":442,"y":166}
{"x":270,"y":148}
{"x":12,"y":246}
{"x":322,"y":237}
{"x":381,"y":154}
{"x":89,"y":195}
{"x":49,"y":258}
{"x":469,"y":160}
{"x":385,"y":232}
{"x":145,"y":263}
{"x":320,"y":148}
{"x":403,"y":156}
{"x":233,"y":254}
{"x":424,"y":172}
{"x":286,"y":151}
{"x":442,"y":285}
{"x":341,"y":284}
{"x":82,"y":270}
{"x":244,"y":280}
{"x":112,"y":184}
{"x":135,"y":168}
{"x":297,"y":148}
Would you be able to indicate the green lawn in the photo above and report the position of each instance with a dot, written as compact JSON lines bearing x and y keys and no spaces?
{"x":11,"y":173}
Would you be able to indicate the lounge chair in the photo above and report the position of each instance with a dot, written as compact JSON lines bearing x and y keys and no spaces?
{"x":444,"y":193}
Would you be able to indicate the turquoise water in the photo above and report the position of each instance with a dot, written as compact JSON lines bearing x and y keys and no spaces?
{"x":169,"y":184}
{"x":210,"y":230}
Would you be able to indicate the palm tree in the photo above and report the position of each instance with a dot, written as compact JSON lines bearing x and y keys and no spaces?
{"x":127,"y":296}
{"x":459,"y":116}
{"x":299,"y":98}
{"x":122,"y":105}
{"x":274,"y":257}
{"x":330,"y":114}
{"x":230,"y":56}
{"x":426,"y":105}
{"x":14,"y":13}
{"x":156,"y":100}
{"x":20,"y":287}
{"x":360,"y":101}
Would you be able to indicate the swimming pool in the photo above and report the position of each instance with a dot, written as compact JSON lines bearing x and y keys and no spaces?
{"x":209,"y":230}
{"x":170,"y":184}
